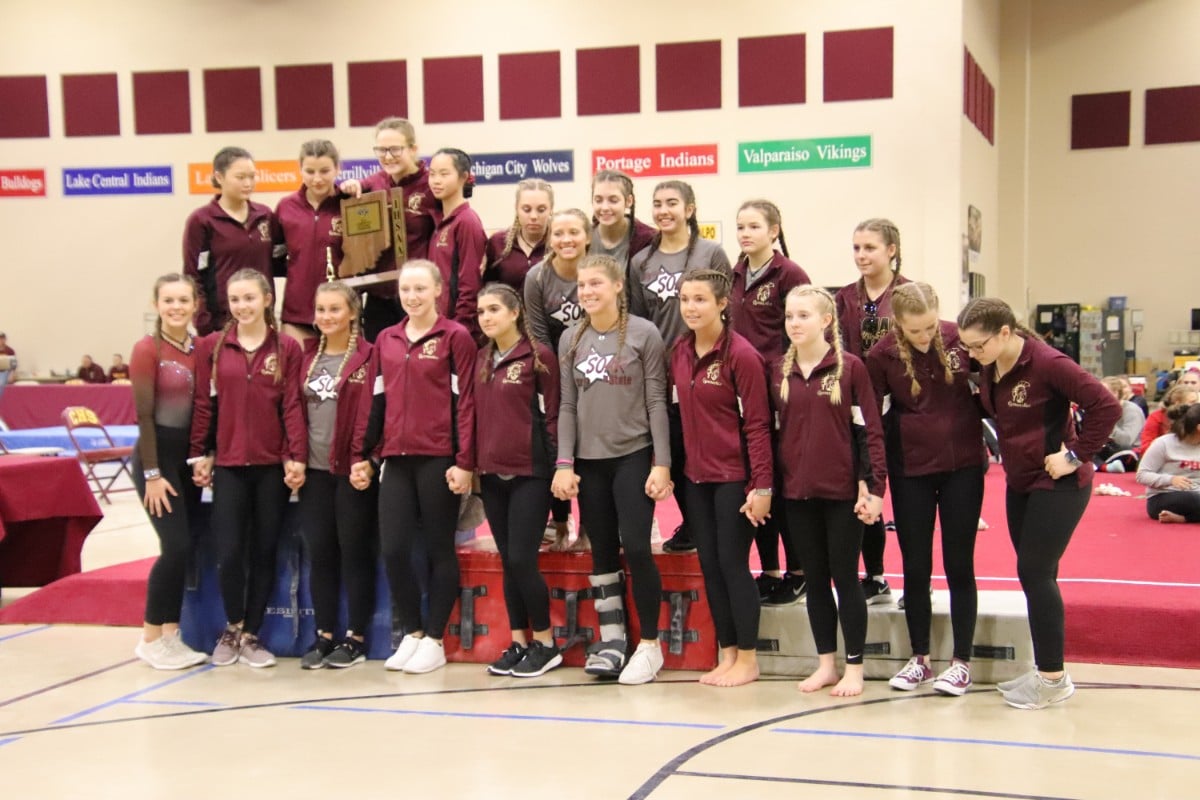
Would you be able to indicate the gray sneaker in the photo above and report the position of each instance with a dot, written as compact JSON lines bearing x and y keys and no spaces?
{"x":1040,"y":693}
{"x":254,"y":654}
{"x":228,"y":648}
{"x":1007,"y":686}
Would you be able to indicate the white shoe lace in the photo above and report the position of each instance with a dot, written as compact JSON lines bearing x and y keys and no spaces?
{"x":958,"y":673}
{"x":914,"y":671}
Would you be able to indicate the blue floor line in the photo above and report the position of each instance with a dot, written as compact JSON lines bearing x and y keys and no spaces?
{"x":9,"y":740}
{"x":521,"y":717}
{"x":25,"y":633}
{"x":126,"y":698}
{"x":203,"y":703}
{"x":1110,"y":751}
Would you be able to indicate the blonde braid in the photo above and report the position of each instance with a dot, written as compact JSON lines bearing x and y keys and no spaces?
{"x":940,"y":346}
{"x":835,"y":394}
{"x":510,"y":239}
{"x":217,"y":351}
{"x":622,"y":321}
{"x":785,"y":370}
{"x":580,"y":329}
{"x":313,"y":365}
{"x":906,"y":359}
{"x":538,"y":364}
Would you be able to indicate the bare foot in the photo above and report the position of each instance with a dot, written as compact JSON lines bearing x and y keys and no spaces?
{"x":1170,"y":516}
{"x":727,"y":657}
{"x":741,"y":673}
{"x":851,"y":684}
{"x":824,"y":676}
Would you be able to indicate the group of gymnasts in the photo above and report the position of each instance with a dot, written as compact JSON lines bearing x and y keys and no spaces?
{"x":589,"y":357}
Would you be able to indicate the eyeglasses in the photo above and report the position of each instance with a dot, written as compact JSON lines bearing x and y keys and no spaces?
{"x":975,"y":348}
{"x":394,"y":152}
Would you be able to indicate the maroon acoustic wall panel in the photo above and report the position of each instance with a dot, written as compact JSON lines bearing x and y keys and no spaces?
{"x":858,"y":64}
{"x":90,"y":105}
{"x":608,"y":80}
{"x":530,"y":85}
{"x":378,"y":89}
{"x":1100,"y":120}
{"x":1173,"y":115}
{"x":771,"y":70}
{"x":453,"y":89}
{"x":233,"y":100}
{"x":688,"y":75}
{"x":304,"y":96}
{"x":24,"y":109}
{"x":162,"y":102}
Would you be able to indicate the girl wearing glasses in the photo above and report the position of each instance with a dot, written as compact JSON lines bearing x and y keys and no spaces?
{"x":1028,"y":388}
{"x":864,"y":309}
{"x":399,"y":167}
{"x":935,"y":460}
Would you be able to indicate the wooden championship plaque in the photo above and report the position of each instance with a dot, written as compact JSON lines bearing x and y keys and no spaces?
{"x":370,"y":225}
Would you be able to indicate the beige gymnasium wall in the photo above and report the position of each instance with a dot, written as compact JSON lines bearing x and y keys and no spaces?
{"x":1087,"y":224}
{"x":980,"y":174}
{"x":77,"y":270}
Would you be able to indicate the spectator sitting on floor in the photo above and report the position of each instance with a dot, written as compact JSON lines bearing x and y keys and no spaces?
{"x":1171,"y":469}
{"x":90,"y":371}
{"x":1127,"y":393}
{"x":1126,"y":433}
{"x":1158,"y":424}
{"x":119,"y":371}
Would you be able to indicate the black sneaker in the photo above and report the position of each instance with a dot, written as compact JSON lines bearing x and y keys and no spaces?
{"x":876,"y":592}
{"x":349,"y":651}
{"x":791,"y":590}
{"x":539,"y":659}
{"x":767,"y":584}
{"x":507,"y":660}
{"x":315,"y":657}
{"x":681,"y":542}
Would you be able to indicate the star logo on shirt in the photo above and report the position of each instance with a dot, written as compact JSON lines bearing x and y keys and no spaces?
{"x":665,"y":284}
{"x":323,"y":386}
{"x":594,"y":366}
{"x":568,"y":312}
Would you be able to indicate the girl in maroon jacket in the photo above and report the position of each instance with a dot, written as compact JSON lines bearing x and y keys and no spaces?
{"x":516,"y":400}
{"x":459,"y":241}
{"x":936,"y":462}
{"x":1028,"y":387}
{"x":833,"y":476}
{"x":420,"y":423}
{"x":762,"y":278}
{"x":616,"y":230}
{"x":512,"y":252}
{"x":339,"y":522}
{"x":399,"y":168}
{"x":864,"y":310}
{"x":253,"y":421}
{"x":310,"y":223}
{"x":228,"y":234}
{"x":719,"y":381}
{"x":162,"y":369}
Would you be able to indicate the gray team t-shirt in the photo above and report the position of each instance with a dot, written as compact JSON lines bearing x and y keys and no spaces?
{"x":321,"y":398}
{"x":654,"y":293}
{"x":552,"y":303}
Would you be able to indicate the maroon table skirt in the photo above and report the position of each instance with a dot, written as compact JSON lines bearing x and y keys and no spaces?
{"x":41,"y":406}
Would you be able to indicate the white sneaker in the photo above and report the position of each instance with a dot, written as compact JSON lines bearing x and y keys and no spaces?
{"x":160,"y":655}
{"x":430,"y":655}
{"x":408,"y":646}
{"x":176,"y":644}
{"x":643,"y":665}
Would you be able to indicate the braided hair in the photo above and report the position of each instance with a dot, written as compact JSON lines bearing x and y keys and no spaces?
{"x":526,"y":185}
{"x":512,"y":301}
{"x":719,"y":281}
{"x":990,"y":314}
{"x":256,"y":277}
{"x":887,"y":231}
{"x":355,"y":307}
{"x":771,"y":214}
{"x":612,"y":270}
{"x":915,"y":299}
{"x":825,"y":305}
{"x":685,"y":192}
{"x":626,"y":182}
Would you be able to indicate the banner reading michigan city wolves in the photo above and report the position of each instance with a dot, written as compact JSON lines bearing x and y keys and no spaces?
{"x":654,"y":162}
{"x":790,"y":154}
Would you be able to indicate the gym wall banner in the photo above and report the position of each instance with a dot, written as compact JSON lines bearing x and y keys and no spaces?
{"x":837,"y":152}
{"x":116,"y":180}
{"x":22,"y":183}
{"x":501,"y":168}
{"x":272,"y":176}
{"x":655,"y":162}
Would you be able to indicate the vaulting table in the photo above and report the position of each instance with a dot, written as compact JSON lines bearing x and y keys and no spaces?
{"x":46,"y":511}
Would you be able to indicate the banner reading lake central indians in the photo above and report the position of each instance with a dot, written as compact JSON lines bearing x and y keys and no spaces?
{"x":836,"y":152}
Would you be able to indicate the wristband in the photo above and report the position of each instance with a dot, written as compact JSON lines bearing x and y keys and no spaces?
{"x":151,"y":474}
{"x":191,"y":462}
{"x":764,"y":492}
{"x":564,"y":462}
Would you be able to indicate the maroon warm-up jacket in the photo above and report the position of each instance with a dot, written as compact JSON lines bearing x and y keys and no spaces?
{"x":758,"y":313}
{"x":516,"y":412}
{"x":512,"y":268}
{"x":353,"y":389}
{"x":458,"y":248}
{"x":307,"y":231}
{"x":851,"y":302}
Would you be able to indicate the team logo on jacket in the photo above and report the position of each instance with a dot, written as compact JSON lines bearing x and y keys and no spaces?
{"x":828,"y":381}
{"x":1020,"y":395}
{"x":953,"y":360}
{"x":594,"y":366}
{"x":359,"y":375}
{"x":665,"y":284}
{"x":335,"y":226}
{"x":414,"y":202}
{"x":763,"y":296}
{"x":568,"y":312}
{"x":264,"y":231}
{"x":323,"y":386}
{"x":429,"y":349}
{"x":444,"y":239}
{"x":270,"y":365}
{"x":513,"y":373}
{"x":712,"y":375}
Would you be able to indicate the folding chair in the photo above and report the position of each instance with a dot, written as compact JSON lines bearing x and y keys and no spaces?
{"x":78,"y":418}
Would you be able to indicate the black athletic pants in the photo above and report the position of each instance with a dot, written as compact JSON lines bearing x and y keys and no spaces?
{"x":616,"y":512}
{"x":379,"y":313}
{"x":247,"y":517}
{"x":417,"y":508}
{"x":164,"y":589}
{"x":516,"y":512}
{"x":829,"y":536}
{"x":342,"y":537}
{"x":874,"y":541}
{"x":1040,"y":524}
{"x":767,"y":536}
{"x":954,"y":498}
{"x":678,"y":459}
{"x":1186,"y":504}
{"x":723,"y":536}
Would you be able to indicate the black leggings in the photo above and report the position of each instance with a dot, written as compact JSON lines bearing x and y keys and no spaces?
{"x":828,"y":536}
{"x":247,"y":516}
{"x":767,"y":535}
{"x":678,"y":459}
{"x":560,"y":509}
{"x":379,"y":313}
{"x":1040,"y":524}
{"x":1186,"y":504}
{"x":164,"y":589}
{"x":616,"y":512}
{"x":874,"y":541}
{"x":516,"y":512}
{"x":955,"y":499}
{"x":417,"y":508}
{"x":723,"y":536}
{"x":342,"y":540}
